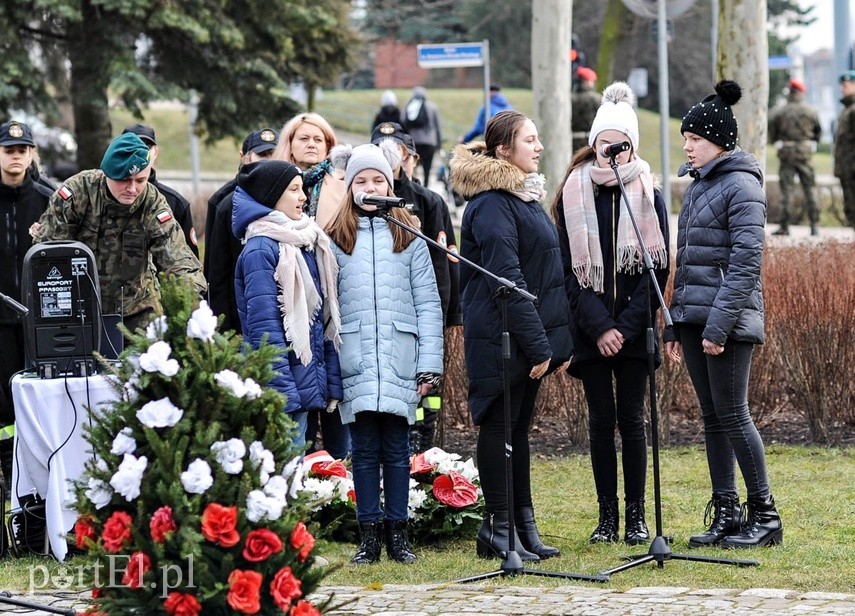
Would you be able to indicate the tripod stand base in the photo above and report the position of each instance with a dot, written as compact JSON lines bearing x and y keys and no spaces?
{"x":512,"y":565}
{"x":660,"y":551}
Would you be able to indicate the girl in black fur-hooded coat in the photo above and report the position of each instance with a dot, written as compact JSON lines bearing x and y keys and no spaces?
{"x":506,"y":231}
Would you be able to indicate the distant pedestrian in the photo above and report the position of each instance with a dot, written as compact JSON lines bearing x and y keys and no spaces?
{"x":389,"y":110}
{"x":586,"y":102}
{"x":498,"y":103}
{"x":421,"y":121}
{"x":844,"y":146}
{"x":795,"y":131}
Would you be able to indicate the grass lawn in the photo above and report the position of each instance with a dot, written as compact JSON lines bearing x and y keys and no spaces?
{"x":812,"y":486}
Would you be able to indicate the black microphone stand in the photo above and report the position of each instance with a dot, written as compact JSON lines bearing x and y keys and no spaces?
{"x":659,"y":550}
{"x":512,"y":563}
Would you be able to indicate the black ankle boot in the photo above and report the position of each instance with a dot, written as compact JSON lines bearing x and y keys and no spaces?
{"x":397,"y":546}
{"x":609,"y":525}
{"x":369,"y":546}
{"x":635,"y":528}
{"x":761,"y":526}
{"x":493,"y":539}
{"x":529,"y":537}
{"x":725,"y":520}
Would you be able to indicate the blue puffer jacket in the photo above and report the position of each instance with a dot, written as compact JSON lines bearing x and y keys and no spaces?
{"x":720,"y":241}
{"x":391,"y":322}
{"x":257,"y":295}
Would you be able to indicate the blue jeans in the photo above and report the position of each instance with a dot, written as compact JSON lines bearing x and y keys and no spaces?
{"x":335,"y":435}
{"x":721,"y":384}
{"x":381,"y":440}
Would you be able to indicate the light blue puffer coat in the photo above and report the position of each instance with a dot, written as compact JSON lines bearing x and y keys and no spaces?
{"x":391,"y":322}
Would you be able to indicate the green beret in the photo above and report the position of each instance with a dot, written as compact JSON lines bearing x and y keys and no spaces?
{"x":127,"y":155}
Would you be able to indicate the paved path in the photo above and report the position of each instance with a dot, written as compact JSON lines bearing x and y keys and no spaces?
{"x":486,"y":599}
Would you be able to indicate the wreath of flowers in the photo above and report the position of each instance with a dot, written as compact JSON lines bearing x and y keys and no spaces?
{"x":193,"y":502}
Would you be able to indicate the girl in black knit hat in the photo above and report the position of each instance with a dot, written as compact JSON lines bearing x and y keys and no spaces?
{"x":717,"y":308}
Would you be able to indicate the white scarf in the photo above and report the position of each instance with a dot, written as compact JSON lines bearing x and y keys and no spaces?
{"x":299,"y":300}
{"x":533,"y":188}
{"x":580,"y":215}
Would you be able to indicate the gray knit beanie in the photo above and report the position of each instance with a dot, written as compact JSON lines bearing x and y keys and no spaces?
{"x":362,"y":157}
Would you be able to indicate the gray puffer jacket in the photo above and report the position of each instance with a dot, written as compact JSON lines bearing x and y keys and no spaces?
{"x":720,"y":250}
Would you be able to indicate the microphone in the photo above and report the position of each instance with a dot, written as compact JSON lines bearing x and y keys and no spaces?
{"x":362,"y":198}
{"x":612,"y":150}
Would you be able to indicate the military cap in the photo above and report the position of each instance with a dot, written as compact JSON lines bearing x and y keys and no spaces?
{"x":15,"y":133}
{"x":143,"y":131}
{"x":392,"y":130}
{"x":847,"y":76}
{"x":260,"y":141}
{"x":126,"y":155}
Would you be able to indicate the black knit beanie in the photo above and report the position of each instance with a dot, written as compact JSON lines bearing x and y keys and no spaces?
{"x":712,"y":118}
{"x":266,"y":180}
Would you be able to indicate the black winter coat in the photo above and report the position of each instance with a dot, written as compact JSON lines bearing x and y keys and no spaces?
{"x":626,"y":296}
{"x":720,"y":240}
{"x":222,"y":251}
{"x":180,"y":209}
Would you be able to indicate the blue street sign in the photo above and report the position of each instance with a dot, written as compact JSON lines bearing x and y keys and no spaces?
{"x":451,"y":55}
{"x":779,"y":62}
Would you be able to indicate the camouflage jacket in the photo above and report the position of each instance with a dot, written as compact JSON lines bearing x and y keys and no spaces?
{"x":844,"y":141}
{"x":131,"y":243}
{"x":585,"y":105}
{"x":796,"y":126}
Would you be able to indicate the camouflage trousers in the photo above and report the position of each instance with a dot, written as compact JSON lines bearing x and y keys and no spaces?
{"x":787,"y":181}
{"x":848,"y":187}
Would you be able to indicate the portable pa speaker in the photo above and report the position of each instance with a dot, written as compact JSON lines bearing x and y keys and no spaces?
{"x":63,"y":296}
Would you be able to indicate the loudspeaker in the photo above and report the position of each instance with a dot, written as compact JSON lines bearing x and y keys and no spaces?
{"x":61,"y":291}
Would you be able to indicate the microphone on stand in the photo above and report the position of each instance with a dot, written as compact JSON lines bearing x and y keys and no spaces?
{"x":381,"y":202}
{"x":613,"y":149}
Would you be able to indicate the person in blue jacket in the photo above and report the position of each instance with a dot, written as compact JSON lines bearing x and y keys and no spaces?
{"x":506,"y":231}
{"x":610,"y":300}
{"x":286,"y":287}
{"x":391,"y":348}
{"x":498,"y":103}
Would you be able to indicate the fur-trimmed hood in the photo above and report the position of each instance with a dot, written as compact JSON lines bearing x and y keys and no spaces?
{"x":473,"y":172}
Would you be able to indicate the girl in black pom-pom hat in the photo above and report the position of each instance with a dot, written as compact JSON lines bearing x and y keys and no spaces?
{"x":717,"y":308}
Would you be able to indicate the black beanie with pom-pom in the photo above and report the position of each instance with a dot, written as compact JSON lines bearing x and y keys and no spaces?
{"x":266,"y":180}
{"x":712,"y":118}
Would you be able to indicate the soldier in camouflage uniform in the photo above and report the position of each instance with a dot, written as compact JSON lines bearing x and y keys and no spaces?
{"x":129,"y":227}
{"x":585,"y":103}
{"x":795,"y":130}
{"x":844,"y":146}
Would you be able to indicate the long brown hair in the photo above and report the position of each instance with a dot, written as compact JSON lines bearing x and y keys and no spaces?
{"x":342,"y":228}
{"x":581,"y":157}
{"x":502,"y":129}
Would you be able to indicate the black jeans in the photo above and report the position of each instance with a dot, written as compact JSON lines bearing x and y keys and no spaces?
{"x":721,"y":384}
{"x":615,"y":389}
{"x":491,"y":448}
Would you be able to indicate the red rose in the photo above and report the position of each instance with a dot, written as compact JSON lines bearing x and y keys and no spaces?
{"x":333,"y":468}
{"x":84,"y":532}
{"x":245,"y":591}
{"x":419,"y":465}
{"x":117,"y":532}
{"x":351,"y":496}
{"x":454,"y":490}
{"x":162,"y":524}
{"x":180,"y":604}
{"x":219,"y":525}
{"x":285,"y":588}
{"x":138,"y":565}
{"x":260,"y":544}
{"x":97,"y":593}
{"x":304,"y":608}
{"x":302,"y":540}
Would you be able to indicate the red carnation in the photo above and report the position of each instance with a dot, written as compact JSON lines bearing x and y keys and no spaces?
{"x":138,"y":565}
{"x":117,"y":532}
{"x":454,"y":490}
{"x":330,"y":468}
{"x":245,"y":591}
{"x":285,"y":588}
{"x":302,"y":540}
{"x":260,"y":544}
{"x":304,"y":608}
{"x":351,"y":496}
{"x":180,"y":604}
{"x":219,"y":525}
{"x":419,"y":465}
{"x":84,"y":532}
{"x":162,"y":524}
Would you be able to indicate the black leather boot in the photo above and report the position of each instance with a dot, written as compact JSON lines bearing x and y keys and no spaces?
{"x":493,"y":539}
{"x":761,"y":526}
{"x":609,"y":525}
{"x":397,"y":546}
{"x":529,"y":537}
{"x":725,"y":520}
{"x":636,"y":531}
{"x":369,"y":546}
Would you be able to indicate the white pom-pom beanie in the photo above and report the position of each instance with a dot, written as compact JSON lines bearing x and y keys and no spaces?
{"x":616,"y":112}
{"x":368,"y":156}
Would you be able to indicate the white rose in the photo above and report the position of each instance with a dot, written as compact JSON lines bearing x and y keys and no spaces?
{"x":277,"y":487}
{"x":253,"y":389}
{"x":262,"y":460}
{"x":260,"y":505}
{"x":123,"y":443}
{"x":229,"y":454}
{"x":160,"y":414}
{"x":98,"y":493}
{"x":127,"y":480}
{"x":197,"y":478}
{"x":156,"y":359}
{"x":202,"y":323}
{"x":156,"y":328}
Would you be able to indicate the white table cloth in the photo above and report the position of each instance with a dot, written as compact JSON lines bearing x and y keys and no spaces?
{"x":49,"y":446}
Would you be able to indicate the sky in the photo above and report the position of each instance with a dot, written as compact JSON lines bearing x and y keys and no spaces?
{"x":820,"y":34}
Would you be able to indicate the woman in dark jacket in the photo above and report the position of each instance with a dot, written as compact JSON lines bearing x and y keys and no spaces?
{"x":286,"y":287}
{"x":610,"y":300}
{"x":717,"y":308}
{"x":506,"y":231}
